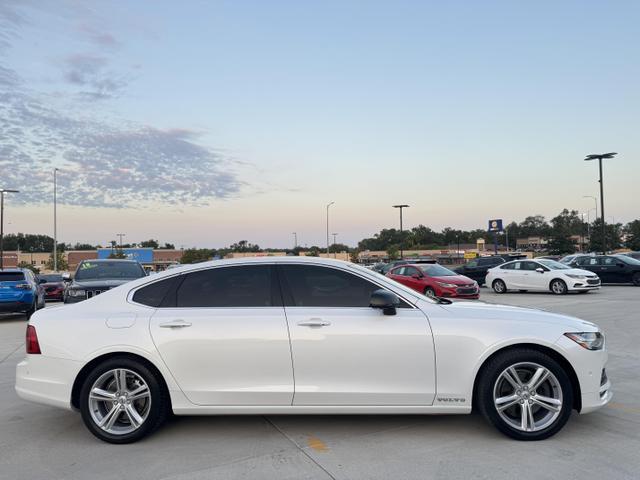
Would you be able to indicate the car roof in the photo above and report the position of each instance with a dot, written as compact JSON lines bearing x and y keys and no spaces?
{"x":13,"y":270}
{"x":103,"y":260}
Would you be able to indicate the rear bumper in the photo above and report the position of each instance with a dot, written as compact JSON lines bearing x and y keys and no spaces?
{"x":46,"y":380}
{"x":14,"y":306}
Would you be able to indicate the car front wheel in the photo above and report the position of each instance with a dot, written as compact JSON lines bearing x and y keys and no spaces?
{"x":525,"y":394}
{"x":636,"y":279}
{"x":558,"y":287}
{"x":122,"y":401}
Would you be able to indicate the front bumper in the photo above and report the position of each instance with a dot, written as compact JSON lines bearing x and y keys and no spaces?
{"x":46,"y":380}
{"x":595,"y":387}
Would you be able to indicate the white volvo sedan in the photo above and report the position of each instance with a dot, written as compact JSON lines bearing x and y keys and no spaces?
{"x":298,"y":335}
{"x":542,"y":275}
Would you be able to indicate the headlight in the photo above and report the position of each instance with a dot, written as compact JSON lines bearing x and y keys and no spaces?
{"x":588,"y":340}
{"x":77,"y":293}
{"x":578,"y":277}
{"x":447,"y":285}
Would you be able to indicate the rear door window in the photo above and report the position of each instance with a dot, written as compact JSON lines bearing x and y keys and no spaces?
{"x":154,"y":294}
{"x":229,"y":287}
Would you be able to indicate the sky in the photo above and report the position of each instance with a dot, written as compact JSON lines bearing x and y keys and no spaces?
{"x":204,"y":123}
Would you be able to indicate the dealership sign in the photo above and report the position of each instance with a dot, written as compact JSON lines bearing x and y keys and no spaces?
{"x":495,"y":225}
{"x":143,"y":255}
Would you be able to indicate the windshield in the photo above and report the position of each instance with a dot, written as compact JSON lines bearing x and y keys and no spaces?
{"x":51,"y":278}
{"x":436,"y":271}
{"x":553,"y":265}
{"x":629,"y":260}
{"x":11,"y":276}
{"x":109,"y":270}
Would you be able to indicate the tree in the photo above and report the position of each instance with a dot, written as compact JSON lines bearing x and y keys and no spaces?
{"x":338,"y":247}
{"x":244,"y":246}
{"x":151,"y":243}
{"x":196,"y":255}
{"x":611,"y":231}
{"x":62,"y":262}
{"x":168,"y":246}
{"x":393,"y":252}
{"x":632,"y":235}
{"x":314,"y":251}
{"x":33,"y":268}
{"x":563,"y":226}
{"x":83,"y":246}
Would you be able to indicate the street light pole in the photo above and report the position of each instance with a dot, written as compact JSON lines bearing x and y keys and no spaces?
{"x":328,"y":205}
{"x":295,"y":240}
{"x":334,"y":243}
{"x":600,"y":157}
{"x":120,"y":235}
{"x":401,"y":239}
{"x":2,"y":192}
{"x":55,"y":220}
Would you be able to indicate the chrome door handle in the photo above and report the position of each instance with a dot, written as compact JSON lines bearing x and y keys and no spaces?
{"x":175,"y":324}
{"x":314,"y":322}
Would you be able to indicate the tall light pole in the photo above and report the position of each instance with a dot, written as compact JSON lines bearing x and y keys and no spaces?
{"x":334,"y":243}
{"x":55,"y":219}
{"x":600,"y":157}
{"x":328,"y":205}
{"x":401,"y":238}
{"x":121,"y":235}
{"x":2,"y":192}
{"x":295,"y":240}
{"x":595,"y":202}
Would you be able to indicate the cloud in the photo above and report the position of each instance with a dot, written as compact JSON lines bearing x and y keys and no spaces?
{"x":90,"y":73}
{"x":105,"y":165}
{"x":98,"y":37}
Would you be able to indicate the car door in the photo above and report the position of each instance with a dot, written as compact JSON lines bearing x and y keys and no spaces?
{"x":533,"y":279}
{"x":398,"y":275}
{"x":347,"y":353}
{"x":223,"y":334}
{"x":516,"y":278}
{"x":414,"y":278}
{"x":471,"y":270}
{"x":591,"y":264}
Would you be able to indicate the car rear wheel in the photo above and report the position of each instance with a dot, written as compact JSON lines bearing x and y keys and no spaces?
{"x":525,"y":394}
{"x":499,"y":286}
{"x":122,"y":401}
{"x":636,"y":279}
{"x":558,"y":287}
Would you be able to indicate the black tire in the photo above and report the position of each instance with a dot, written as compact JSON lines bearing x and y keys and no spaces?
{"x":32,"y":309}
{"x":158,"y":409}
{"x":499,"y":286}
{"x":523,"y":291}
{"x":430,"y":292}
{"x":636,"y":279}
{"x":488,"y":378}
{"x":558,"y":287}
{"x":583,"y":291}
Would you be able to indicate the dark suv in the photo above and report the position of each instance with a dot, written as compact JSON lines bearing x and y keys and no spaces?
{"x":477,"y":269}
{"x":611,"y":268}
{"x":93,"y":277}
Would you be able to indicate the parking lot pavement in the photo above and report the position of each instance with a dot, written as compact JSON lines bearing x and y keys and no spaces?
{"x":41,"y":442}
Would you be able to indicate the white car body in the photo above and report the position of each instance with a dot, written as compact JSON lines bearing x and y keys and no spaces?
{"x":540,"y":279}
{"x":422,"y":360}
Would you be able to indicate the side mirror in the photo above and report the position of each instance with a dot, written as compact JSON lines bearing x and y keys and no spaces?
{"x":417,"y":276}
{"x":540,"y":270}
{"x":385,"y":300}
{"x":66,"y":277}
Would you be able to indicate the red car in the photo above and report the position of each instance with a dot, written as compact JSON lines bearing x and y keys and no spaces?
{"x":53,"y":286}
{"x":435,"y":280}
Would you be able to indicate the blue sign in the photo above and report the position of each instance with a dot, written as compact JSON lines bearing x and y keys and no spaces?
{"x":495,"y":225}
{"x":142,"y":255}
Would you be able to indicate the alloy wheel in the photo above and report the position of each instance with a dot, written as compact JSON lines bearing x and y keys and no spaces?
{"x":119,"y":401}
{"x":528,"y":397}
{"x":558,"y":287}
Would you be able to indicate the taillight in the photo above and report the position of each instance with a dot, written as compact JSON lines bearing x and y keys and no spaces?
{"x":33,"y":347}
{"x":23,"y":286}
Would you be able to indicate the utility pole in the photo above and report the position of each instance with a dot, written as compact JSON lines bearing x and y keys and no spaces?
{"x":295,"y":240}
{"x":120,"y":235}
{"x":328,"y":205}
{"x":600,"y":157}
{"x":334,"y":243}
{"x":55,"y":219}
{"x":2,"y":192}
{"x":401,"y":236}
